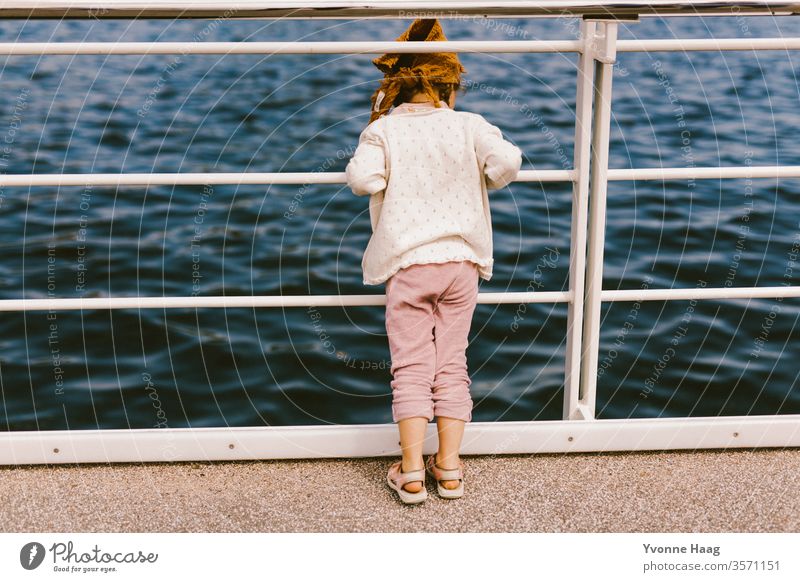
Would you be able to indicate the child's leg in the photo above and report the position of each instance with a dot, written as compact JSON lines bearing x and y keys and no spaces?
{"x":452,"y":322}
{"x":409,"y":326}
{"x":451,"y":432}
{"x":452,"y":400}
{"x":412,"y":437}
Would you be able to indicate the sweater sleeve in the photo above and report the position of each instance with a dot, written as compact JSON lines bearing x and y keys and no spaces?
{"x":499,"y":159}
{"x":366,"y":170}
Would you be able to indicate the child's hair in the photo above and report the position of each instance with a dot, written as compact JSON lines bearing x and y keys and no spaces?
{"x":435,"y":80}
{"x":444,"y":90}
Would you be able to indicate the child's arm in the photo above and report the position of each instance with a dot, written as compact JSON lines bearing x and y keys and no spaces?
{"x":366,"y":170}
{"x":499,"y":159}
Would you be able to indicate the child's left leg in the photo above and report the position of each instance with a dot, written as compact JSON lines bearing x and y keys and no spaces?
{"x":410,"y":297}
{"x":412,"y":438}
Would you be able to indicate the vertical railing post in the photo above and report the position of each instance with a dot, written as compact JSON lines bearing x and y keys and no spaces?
{"x":592,"y":128}
{"x":605,"y":54}
{"x":580,"y":203}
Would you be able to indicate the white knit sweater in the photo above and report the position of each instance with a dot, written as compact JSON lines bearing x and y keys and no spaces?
{"x":427,"y":171}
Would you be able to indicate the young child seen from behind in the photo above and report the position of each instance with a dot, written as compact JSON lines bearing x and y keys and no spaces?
{"x":427,"y":169}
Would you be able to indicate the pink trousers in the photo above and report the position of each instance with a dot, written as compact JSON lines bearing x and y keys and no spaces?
{"x":429,"y":310}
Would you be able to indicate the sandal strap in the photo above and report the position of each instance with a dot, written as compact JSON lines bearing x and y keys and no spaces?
{"x":445,"y":474}
{"x":401,"y":478}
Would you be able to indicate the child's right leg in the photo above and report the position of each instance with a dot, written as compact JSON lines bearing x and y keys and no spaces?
{"x":452,"y":399}
{"x":451,"y":432}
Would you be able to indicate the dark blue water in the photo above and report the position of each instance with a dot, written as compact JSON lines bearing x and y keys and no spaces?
{"x":295,"y":113}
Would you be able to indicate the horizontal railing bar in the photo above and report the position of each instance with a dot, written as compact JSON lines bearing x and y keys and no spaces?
{"x":75,"y":303}
{"x":707,"y":173}
{"x":708,"y":44}
{"x":378,"y":440}
{"x":699,"y":293}
{"x":381,"y":9}
{"x":380,"y":47}
{"x":225,"y":178}
{"x":339,"y":177}
{"x":300,"y":47}
{"x":69,"y":303}
{"x":186,"y":178}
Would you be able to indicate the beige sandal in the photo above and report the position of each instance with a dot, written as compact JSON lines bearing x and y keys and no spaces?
{"x":446,"y":475}
{"x":396,"y":479}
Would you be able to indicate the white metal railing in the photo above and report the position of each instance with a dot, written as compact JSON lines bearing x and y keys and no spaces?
{"x":104,"y":9}
{"x":580,"y":430}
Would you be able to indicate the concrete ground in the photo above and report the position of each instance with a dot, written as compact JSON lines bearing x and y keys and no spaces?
{"x":738,"y":490}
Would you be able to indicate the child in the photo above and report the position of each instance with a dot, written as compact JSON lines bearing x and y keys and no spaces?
{"x":427,"y":169}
